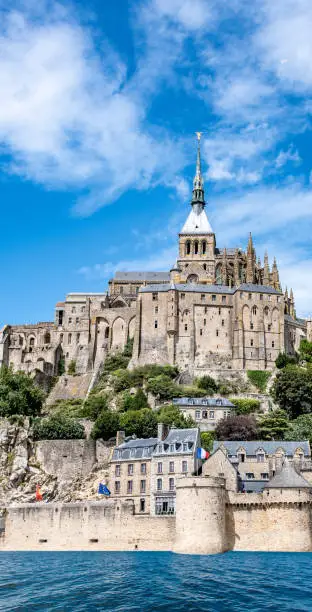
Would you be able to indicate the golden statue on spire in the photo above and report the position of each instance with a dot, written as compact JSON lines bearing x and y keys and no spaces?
{"x":198,"y":134}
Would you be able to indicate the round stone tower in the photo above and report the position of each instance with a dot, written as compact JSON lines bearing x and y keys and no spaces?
{"x":200,"y":515}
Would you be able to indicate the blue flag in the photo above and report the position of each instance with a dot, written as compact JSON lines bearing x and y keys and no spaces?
{"x":103,"y":490}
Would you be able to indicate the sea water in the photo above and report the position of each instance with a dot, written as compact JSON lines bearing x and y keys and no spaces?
{"x":139,"y":581}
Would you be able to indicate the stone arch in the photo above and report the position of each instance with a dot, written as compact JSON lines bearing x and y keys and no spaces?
{"x":204,"y":247}
{"x":40,"y":363}
{"x":192,"y":278}
{"x":47,"y":337}
{"x":196,"y":247}
{"x":219,"y":274}
{"x":188,"y":247}
{"x":119,"y":302}
{"x":131,"y":328}
{"x":119,"y":330}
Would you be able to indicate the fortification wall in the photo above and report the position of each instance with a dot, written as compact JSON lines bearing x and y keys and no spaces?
{"x":66,"y":459}
{"x":281,"y":521}
{"x":108,"y":525}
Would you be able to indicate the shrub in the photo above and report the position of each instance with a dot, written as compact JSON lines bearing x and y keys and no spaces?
{"x":163,"y":387}
{"x":207,"y":439}
{"x":67,"y":408}
{"x":106,"y":425}
{"x":122,"y":379}
{"x":61,"y":366}
{"x":300,"y":428}
{"x":171,"y":415}
{"x":19,"y":394}
{"x":245,"y":405}
{"x":134,"y":402}
{"x":56,"y":428}
{"x":72,"y":367}
{"x":305,"y":350}
{"x":240,"y":427}
{"x":115,"y":362}
{"x":208,"y":384}
{"x":142,"y":423}
{"x":127,"y":352}
{"x":259,"y":378}
{"x":292,"y":390}
{"x":94,"y":406}
{"x":191,"y":392}
{"x":283,"y":360}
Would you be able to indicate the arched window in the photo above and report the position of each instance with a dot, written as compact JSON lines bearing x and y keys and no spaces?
{"x":106,"y":332}
{"x":196,"y":247}
{"x":204,"y":247}
{"x":266,"y":310}
{"x":254,"y":310}
{"x":47,"y":338}
{"x":31,"y":341}
{"x":69,"y":338}
{"x":188,"y":247}
{"x":219,"y":275}
{"x":21,"y":340}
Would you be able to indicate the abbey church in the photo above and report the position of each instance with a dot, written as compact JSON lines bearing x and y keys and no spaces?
{"x":216,"y":309}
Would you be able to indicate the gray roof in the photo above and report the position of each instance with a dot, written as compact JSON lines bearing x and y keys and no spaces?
{"x":257,"y":288}
{"x":178,"y":437}
{"x":287,"y":479}
{"x":229,"y":251}
{"x":290,"y":319}
{"x":136,"y":448}
{"x":269,"y":447}
{"x":142,"y":276}
{"x":203,"y":401}
{"x":188,"y":287}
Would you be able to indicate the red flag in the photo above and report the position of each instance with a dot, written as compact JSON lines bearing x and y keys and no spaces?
{"x":38,"y":493}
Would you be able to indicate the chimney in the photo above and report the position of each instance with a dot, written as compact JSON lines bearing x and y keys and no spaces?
{"x":162,"y":431}
{"x":120,"y":438}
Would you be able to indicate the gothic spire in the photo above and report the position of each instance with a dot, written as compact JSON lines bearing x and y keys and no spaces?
{"x":198,"y":197}
{"x":266,"y":270}
{"x":224,"y":268}
{"x":275,"y":275}
{"x":236,"y":269}
{"x":250,"y":271}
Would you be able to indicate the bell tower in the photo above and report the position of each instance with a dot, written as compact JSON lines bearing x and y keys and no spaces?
{"x":197,"y":242}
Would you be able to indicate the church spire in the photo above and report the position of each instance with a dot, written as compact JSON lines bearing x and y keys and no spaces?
{"x":266,"y":270}
{"x":198,"y":198}
{"x":250,"y":271}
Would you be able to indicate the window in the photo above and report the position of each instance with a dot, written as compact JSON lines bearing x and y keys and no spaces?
{"x":60,"y":317}
{"x":200,"y":332}
{"x":171,"y":484}
{"x":261,"y":296}
{"x":117,"y":486}
{"x":249,"y":296}
{"x":129,"y":486}
{"x":156,"y":309}
{"x":185,"y":327}
{"x":241,"y":457}
{"x":250,"y":475}
{"x":69,"y":338}
{"x":142,"y":505}
{"x":159,"y":467}
{"x":211,"y":414}
{"x":269,"y":327}
{"x":184,"y":467}
{"x":251,"y":342}
{"x":172,"y":448}
{"x":260,"y":457}
{"x":130,"y":469}
{"x":156,"y":324}
{"x":204,"y":414}
{"x":205,"y":266}
{"x":254,"y":310}
{"x":213,"y":298}
{"x":223,"y":299}
{"x":117,"y":470}
{"x":241,"y":295}
{"x":205,"y":321}
{"x":222,"y":322}
{"x":155,"y":296}
{"x":265,"y":475}
{"x":143,"y":468}
{"x":171,"y":466}
{"x":73,"y":309}
{"x":77,"y":338}
{"x":217,"y":332}
{"x":202,"y":297}
{"x":204,"y":244}
{"x":266,"y":310}
{"x":195,"y":247}
{"x":143,"y":486}
{"x":77,"y":319}
{"x":182,"y":296}
{"x":273,"y":344}
{"x":121,"y":290}
{"x":83,"y":308}
{"x":47,"y":338}
{"x":188,"y":247}
{"x":219,"y":311}
{"x":159,"y":484}
{"x":197,"y":414}
{"x":69,"y":319}
{"x":184,"y":446}
{"x":251,"y":326}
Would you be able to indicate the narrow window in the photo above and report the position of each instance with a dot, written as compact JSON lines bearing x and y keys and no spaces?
{"x":171,"y":484}
{"x":261,"y":296}
{"x":249,"y":296}
{"x":205,"y":266}
{"x":69,"y":319}
{"x":117,"y":470}
{"x":217,"y":332}
{"x":223,"y":299}
{"x":69,"y":338}
{"x":156,"y":309}
{"x":273,"y":344}
{"x":129,"y":486}
{"x":213,"y":298}
{"x":155,"y":297}
{"x":171,"y":466}
{"x":251,"y":326}
{"x":130,"y":469}
{"x":197,"y":414}
{"x":184,"y":446}
{"x":222,"y":322}
{"x":211,"y":414}
{"x":143,"y":468}
{"x":156,"y":324}
{"x":117,"y":486}
{"x":142,"y":505}
{"x":182,"y":296}
{"x":143,"y":486}
{"x":200,"y":332}
{"x":204,"y":246}
{"x":184,"y":467}
{"x":219,"y":311}
{"x":159,"y":484}
{"x":202,"y":297}
{"x":251,"y":342}
{"x":159,"y":467}
{"x":269,"y":327}
{"x":196,"y":247}
{"x":77,"y":338}
{"x":205,"y":321}
{"x":188,"y":247}
{"x":185,"y":327}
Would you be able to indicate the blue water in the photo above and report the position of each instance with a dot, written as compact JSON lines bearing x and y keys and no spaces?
{"x":139,"y":581}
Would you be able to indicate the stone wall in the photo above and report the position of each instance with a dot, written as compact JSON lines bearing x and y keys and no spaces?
{"x":66,"y":459}
{"x":108,"y":525}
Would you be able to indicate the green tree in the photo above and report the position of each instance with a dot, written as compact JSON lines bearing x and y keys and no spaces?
{"x":61,"y":366}
{"x":122,"y":379}
{"x":171,"y":415}
{"x":292,"y":390}
{"x":305,"y":350}
{"x":207,"y":439}
{"x":106,"y":425}
{"x":142,"y":423}
{"x":273,"y":425}
{"x":300,"y":428}
{"x":134,"y":402}
{"x":95,"y":405}
{"x":72,"y":367}
{"x":127,"y":352}
{"x":163,"y":387}
{"x":283,"y":360}
{"x":245,"y":405}
{"x":240,"y":427}
{"x":259,"y":378}
{"x":115,"y":362}
{"x":208,"y":384}
{"x":57,"y":428}
{"x":19,"y":394}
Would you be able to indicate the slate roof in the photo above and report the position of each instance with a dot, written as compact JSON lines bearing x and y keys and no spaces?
{"x":218,"y":402}
{"x":178,"y":437}
{"x":257,"y":288}
{"x":197,"y":223}
{"x":269,"y":447}
{"x":136,"y":448}
{"x":288,"y":478}
{"x":142,"y":276}
{"x":188,"y":287}
{"x":295,"y":321}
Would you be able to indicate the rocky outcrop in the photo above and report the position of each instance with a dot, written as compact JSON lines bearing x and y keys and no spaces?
{"x":66,"y":470}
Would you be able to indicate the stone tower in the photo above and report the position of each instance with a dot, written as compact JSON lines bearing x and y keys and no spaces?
{"x":197,"y":241}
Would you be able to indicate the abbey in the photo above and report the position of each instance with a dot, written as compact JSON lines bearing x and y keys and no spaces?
{"x":216,"y":309}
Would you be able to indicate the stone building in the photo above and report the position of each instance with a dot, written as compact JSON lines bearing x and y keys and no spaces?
{"x":205,"y":411}
{"x":217,"y":308}
{"x":259,"y":461}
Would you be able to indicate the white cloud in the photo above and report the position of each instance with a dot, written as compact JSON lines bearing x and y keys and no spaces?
{"x":291,"y":155}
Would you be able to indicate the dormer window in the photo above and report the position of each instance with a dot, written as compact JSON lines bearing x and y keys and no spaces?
{"x":172,"y":448}
{"x":184,"y":446}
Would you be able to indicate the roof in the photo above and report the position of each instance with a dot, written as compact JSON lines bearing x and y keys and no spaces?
{"x":288,"y":478}
{"x":135,"y":448}
{"x":188,"y":287}
{"x":197,"y":223}
{"x":269,"y":447}
{"x":229,"y":251}
{"x":203,"y":401}
{"x":142,"y":276}
{"x":181,"y":435}
{"x":257,"y":288}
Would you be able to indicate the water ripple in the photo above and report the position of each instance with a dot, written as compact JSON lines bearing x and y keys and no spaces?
{"x":155,"y":582}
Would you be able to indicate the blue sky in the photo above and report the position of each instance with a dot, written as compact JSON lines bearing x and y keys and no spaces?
{"x":99,"y":106}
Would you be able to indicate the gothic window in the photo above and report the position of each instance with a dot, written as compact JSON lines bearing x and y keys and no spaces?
{"x":219,"y":275}
{"x":188,"y":247}
{"x":196,"y":247}
{"x":47,"y":338}
{"x":204,"y":247}
{"x":32,"y":342}
{"x":254,"y":310}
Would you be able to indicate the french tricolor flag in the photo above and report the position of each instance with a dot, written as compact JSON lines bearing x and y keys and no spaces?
{"x":202,"y":453}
